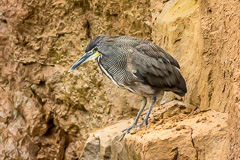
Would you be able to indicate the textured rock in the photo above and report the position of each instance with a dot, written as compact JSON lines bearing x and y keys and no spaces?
{"x":221,"y":41}
{"x":46,"y":113}
{"x":197,"y":137}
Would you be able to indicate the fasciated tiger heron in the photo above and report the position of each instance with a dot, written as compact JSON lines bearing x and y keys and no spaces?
{"x":137,"y":65}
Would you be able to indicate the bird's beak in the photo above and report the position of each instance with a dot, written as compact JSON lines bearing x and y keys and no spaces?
{"x":86,"y":57}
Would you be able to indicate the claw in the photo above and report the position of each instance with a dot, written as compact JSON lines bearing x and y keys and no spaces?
{"x":127,"y":130}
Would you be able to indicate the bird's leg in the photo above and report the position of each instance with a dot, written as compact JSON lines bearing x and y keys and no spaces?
{"x":145,"y":121}
{"x":144,"y":102}
{"x":127,"y":130}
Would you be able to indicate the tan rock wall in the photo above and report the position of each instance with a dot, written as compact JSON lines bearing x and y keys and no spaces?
{"x":177,"y":29}
{"x":221,"y":34}
{"x":47,"y":112}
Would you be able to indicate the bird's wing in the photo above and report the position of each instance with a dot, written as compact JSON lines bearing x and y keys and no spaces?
{"x":157,"y":70}
{"x":144,"y":47}
{"x":155,"y":51}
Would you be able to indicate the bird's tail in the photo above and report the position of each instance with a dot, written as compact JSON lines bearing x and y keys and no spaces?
{"x":181,"y":94}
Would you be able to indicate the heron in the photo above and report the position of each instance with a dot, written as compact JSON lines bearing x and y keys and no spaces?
{"x":137,"y":65}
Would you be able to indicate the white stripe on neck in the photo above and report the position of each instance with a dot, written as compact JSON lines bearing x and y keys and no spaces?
{"x":105,"y":72}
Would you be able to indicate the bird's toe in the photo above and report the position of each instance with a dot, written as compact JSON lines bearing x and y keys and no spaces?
{"x":145,"y":123}
{"x":127,"y":130}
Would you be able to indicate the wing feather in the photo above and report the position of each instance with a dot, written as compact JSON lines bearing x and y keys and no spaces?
{"x":155,"y":51}
{"x":158,"y":72}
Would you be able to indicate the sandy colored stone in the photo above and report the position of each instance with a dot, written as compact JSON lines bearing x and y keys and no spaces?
{"x":194,"y":140}
{"x":47,"y":113}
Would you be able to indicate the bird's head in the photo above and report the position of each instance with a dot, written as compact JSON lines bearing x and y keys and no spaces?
{"x":91,"y":53}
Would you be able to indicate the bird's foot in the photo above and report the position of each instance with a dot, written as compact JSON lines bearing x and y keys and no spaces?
{"x":145,"y":123}
{"x":127,"y":130}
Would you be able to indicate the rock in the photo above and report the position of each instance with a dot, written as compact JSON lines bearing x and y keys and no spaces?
{"x":47,"y":113}
{"x":99,"y":144}
{"x":189,"y":140}
{"x":91,"y":149}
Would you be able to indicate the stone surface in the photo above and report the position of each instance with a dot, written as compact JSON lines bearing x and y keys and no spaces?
{"x":201,"y":136}
{"x":47,"y":113}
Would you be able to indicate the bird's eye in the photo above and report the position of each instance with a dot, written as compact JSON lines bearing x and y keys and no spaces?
{"x":95,"y":49}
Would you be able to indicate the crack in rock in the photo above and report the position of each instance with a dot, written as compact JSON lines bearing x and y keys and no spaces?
{"x":194,"y":144}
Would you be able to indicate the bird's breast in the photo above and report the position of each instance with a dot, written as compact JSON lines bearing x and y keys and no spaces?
{"x":105,"y":70}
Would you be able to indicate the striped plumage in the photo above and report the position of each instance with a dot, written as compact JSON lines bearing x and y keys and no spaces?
{"x":137,"y":65}
{"x":134,"y":63}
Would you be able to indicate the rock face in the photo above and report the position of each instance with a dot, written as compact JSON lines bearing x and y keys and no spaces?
{"x":47,"y":113}
{"x":194,"y":137}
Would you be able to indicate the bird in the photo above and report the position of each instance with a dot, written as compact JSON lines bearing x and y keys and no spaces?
{"x":137,"y":65}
